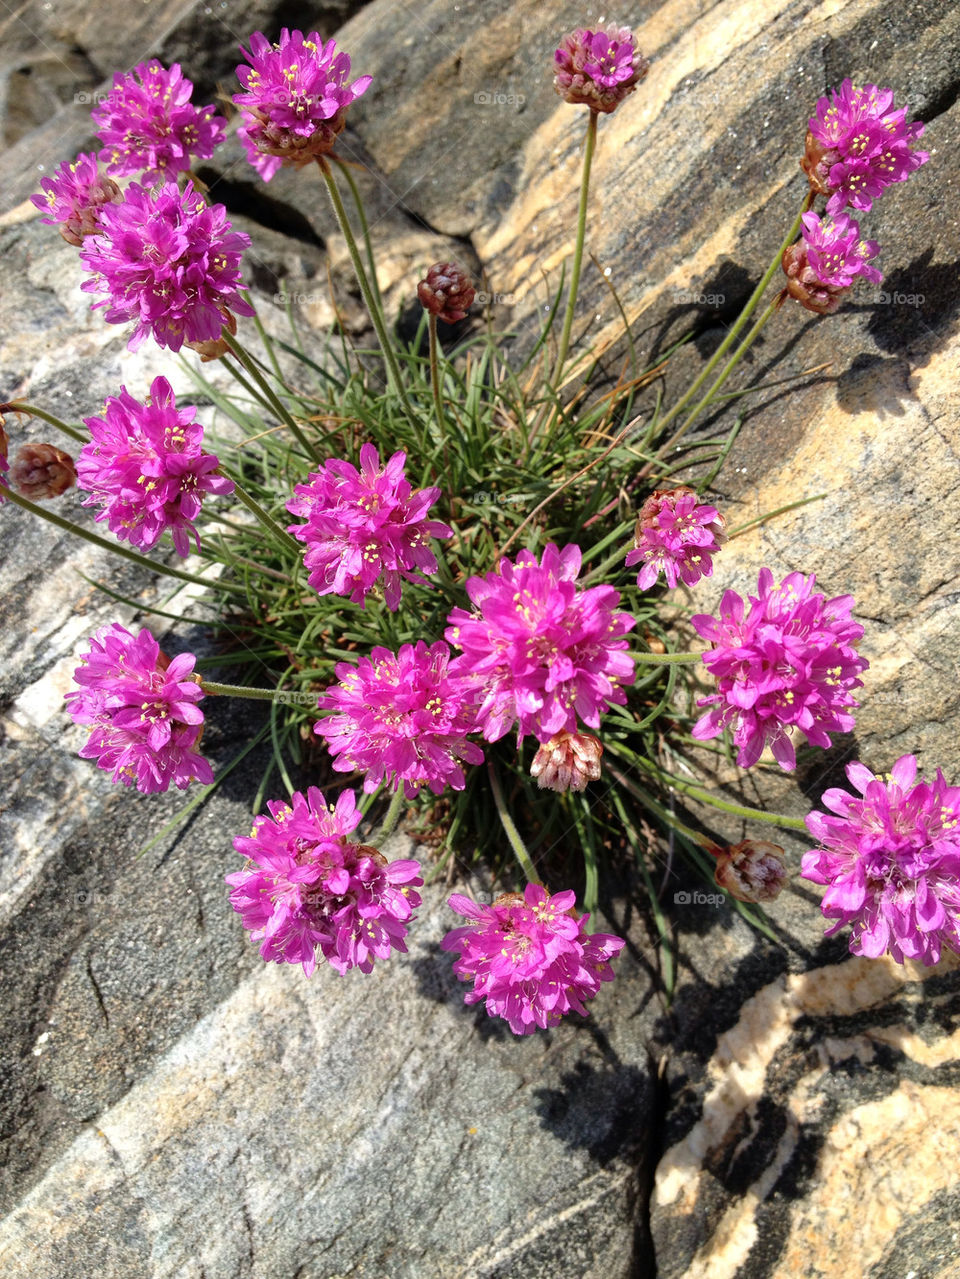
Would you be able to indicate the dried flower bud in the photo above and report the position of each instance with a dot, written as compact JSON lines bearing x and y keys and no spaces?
{"x":447,"y":292}
{"x":567,"y":762}
{"x":42,"y":471}
{"x":598,"y":68}
{"x":752,"y":871}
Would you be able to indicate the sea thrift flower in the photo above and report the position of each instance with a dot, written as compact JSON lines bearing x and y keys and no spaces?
{"x":148,"y":125}
{"x":751,"y":871}
{"x":295,"y":100}
{"x":307,"y":891}
{"x":74,"y":196}
{"x":169,"y":261}
{"x":146,"y":469}
{"x":541,"y":650}
{"x":598,"y":68}
{"x":142,"y":709}
{"x":447,"y":292}
{"x":675,"y":536}
{"x":822,"y":264}
{"x":42,"y":471}
{"x":530,"y":957}
{"x":858,"y":145}
{"x":787,"y":662}
{"x":365,"y":525}
{"x":890,"y":858}
{"x":567,"y":762}
{"x":401,"y":716}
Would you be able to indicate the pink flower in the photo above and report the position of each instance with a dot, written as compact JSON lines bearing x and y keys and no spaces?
{"x":540,"y":649}
{"x":74,"y":196}
{"x":789,"y":662}
{"x":858,"y":145}
{"x":598,"y":68}
{"x":296,"y":99}
{"x":823,"y":263}
{"x":364,"y":526}
{"x":891,"y":862}
{"x":145,"y":468}
{"x":401,"y":716}
{"x":147,"y":123}
{"x":169,"y":261}
{"x":306,"y":889}
{"x":675,"y":536}
{"x":530,"y":957}
{"x":142,"y":708}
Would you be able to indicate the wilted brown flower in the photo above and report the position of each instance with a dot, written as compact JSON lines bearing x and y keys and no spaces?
{"x":752,"y":871}
{"x":41,"y":471}
{"x":447,"y":292}
{"x":567,"y":762}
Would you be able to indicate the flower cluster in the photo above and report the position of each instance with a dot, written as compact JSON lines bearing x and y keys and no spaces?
{"x":365,"y":525}
{"x":169,"y":261}
{"x":676,"y":536}
{"x":42,"y":471}
{"x":74,"y":196}
{"x":789,"y":662}
{"x":822,"y":264}
{"x":446,"y":292}
{"x":541,"y":650}
{"x":402,"y":716}
{"x":142,"y":709}
{"x":530,"y":957}
{"x":148,"y":125}
{"x":295,"y":99}
{"x":146,"y":469}
{"x":857,"y":145}
{"x":307,"y":891}
{"x":891,"y":862}
{"x":598,"y":68}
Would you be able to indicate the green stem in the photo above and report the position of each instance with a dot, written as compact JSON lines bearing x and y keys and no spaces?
{"x":242,"y":690}
{"x":588,"y":150}
{"x":393,"y":369}
{"x":780,"y":510}
{"x":667,"y":659}
{"x":114,"y":547}
{"x":281,"y":536}
{"x":282,"y":413}
{"x":17,"y":406}
{"x":516,"y":843}
{"x":364,"y":227}
{"x":389,"y":823}
{"x":435,"y":379}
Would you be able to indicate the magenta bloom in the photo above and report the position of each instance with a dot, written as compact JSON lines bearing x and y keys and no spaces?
{"x":401,"y":716}
{"x":306,"y":889}
{"x":169,"y":261}
{"x":146,"y":469}
{"x":295,"y":100}
{"x":858,"y":145}
{"x":147,"y":123}
{"x":529,"y":957}
{"x":789,"y":662}
{"x":540,"y":649}
{"x":675,"y":536}
{"x":823,"y":263}
{"x":891,"y":862}
{"x":598,"y":68}
{"x":74,"y":197}
{"x":365,"y":525}
{"x":142,"y":709}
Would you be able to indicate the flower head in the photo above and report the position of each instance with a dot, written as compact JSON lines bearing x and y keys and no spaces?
{"x":822,"y":264}
{"x":402,"y":716}
{"x":787,"y":662}
{"x":598,"y":68}
{"x":530,"y":957}
{"x":74,"y":196}
{"x":169,"y":261}
{"x":42,"y":471}
{"x":567,"y":762}
{"x":307,"y":891}
{"x":751,"y":871}
{"x":146,"y":469}
{"x":675,"y":536}
{"x":148,"y":125}
{"x":541,"y":650}
{"x":142,"y":709}
{"x":447,"y":292}
{"x":295,"y":100}
{"x":890,"y":858}
{"x":857,"y":145}
{"x":365,"y":525}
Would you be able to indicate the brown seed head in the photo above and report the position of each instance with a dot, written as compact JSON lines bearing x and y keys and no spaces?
{"x":752,"y":871}
{"x":567,"y":762}
{"x":41,"y":471}
{"x":447,"y":292}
